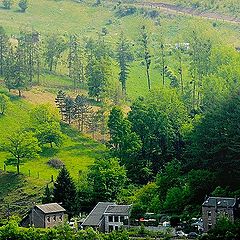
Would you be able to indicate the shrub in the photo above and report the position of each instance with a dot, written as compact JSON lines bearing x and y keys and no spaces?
{"x":126,"y":11}
{"x":56,"y":163}
{"x":7,"y":4}
{"x":23,"y":4}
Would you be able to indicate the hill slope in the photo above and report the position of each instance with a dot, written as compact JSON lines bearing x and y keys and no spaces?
{"x":77,"y":153}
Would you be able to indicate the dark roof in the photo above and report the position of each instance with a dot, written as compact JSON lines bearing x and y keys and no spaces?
{"x":118,"y":209}
{"x":95,"y":216}
{"x":50,"y":208}
{"x":219,"y":202}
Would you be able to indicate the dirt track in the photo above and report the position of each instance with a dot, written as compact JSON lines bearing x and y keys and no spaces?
{"x":189,"y":11}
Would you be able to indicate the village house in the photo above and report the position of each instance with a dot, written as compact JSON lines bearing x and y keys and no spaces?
{"x":107,"y":216}
{"x":215,"y":207}
{"x":45,"y":216}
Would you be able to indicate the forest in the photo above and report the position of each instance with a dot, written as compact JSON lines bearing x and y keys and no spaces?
{"x":157,"y":120}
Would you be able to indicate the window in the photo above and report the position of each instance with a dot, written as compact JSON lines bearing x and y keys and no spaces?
{"x":116,"y":228}
{"x":209,"y":226}
{"x":209,"y":215}
{"x":121,"y":218}
{"x":110,"y":228}
{"x":115,"y":218}
{"x":48,"y":219}
{"x":60,"y":218}
{"x":110,"y":218}
{"x":54,"y":218}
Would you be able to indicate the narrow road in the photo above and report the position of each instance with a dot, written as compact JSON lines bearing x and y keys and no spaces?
{"x":189,"y":11}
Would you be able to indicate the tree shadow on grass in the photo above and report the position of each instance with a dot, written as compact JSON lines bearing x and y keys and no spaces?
{"x":75,"y":135}
{"x":10,"y":95}
{"x":49,"y":152}
{"x":81,"y":150}
{"x":10,"y":182}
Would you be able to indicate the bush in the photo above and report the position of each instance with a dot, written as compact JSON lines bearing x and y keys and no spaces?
{"x":56,"y":163}
{"x":7,"y":4}
{"x":126,"y":11}
{"x":23,"y":4}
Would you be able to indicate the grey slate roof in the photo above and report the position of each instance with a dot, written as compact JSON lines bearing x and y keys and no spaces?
{"x":118,"y":209}
{"x":95,"y":216}
{"x":50,"y":208}
{"x":219,"y":202}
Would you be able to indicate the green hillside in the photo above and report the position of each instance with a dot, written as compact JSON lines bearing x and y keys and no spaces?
{"x":68,"y":17}
{"x":77,"y":153}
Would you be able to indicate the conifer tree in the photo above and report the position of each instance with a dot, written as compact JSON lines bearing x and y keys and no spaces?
{"x":68,"y":110}
{"x":3,"y":49}
{"x":47,"y":197}
{"x":60,"y":102}
{"x":146,"y":54}
{"x":64,"y":191}
{"x":75,"y":61}
{"x":123,"y":58}
{"x":82,"y":111}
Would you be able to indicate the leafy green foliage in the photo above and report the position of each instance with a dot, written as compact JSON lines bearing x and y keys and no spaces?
{"x":46,"y":125}
{"x":158,"y":120}
{"x":215,"y":141}
{"x":224,"y":229}
{"x":21,"y":146}
{"x":146,"y":200}
{"x":107,"y":178}
{"x":55,"y":46}
{"x":176,"y":199}
{"x":64,"y":232}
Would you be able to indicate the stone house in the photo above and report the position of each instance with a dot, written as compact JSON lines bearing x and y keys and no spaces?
{"x":45,"y":216}
{"x":215,"y":207}
{"x":107,"y":216}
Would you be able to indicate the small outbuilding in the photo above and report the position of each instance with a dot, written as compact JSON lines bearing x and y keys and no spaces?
{"x":45,"y":216}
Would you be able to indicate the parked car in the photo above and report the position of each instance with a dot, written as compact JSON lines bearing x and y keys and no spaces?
{"x":192,"y":235}
{"x":181,"y":234}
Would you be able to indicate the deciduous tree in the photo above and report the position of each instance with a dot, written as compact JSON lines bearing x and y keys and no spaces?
{"x":21,"y":146}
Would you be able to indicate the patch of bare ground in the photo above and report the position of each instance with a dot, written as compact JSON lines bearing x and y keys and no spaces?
{"x":39,"y":96}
